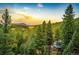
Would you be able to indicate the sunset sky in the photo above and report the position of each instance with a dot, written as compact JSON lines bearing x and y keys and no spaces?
{"x":35,"y":13}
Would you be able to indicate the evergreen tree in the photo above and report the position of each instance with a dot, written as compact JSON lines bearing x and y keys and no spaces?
{"x":5,"y":44}
{"x":44,"y":27}
{"x":30,"y":44}
{"x":49,"y":37}
{"x":20,"y":42}
{"x":73,"y":46}
{"x":68,"y":26}
{"x":6,"y":21}
{"x":44,"y":34}
{"x":5,"y":39}
{"x":38,"y":41}
{"x":57,"y":35}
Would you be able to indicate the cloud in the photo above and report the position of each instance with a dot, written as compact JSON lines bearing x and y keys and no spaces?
{"x":31,"y":16}
{"x":26,"y":8}
{"x":40,"y":5}
{"x":21,"y":18}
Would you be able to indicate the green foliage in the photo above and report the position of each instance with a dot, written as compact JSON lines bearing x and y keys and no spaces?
{"x":49,"y":37}
{"x":5,"y":44}
{"x":49,"y":34}
{"x":57,"y":35}
{"x":68,"y":26}
{"x":6,"y":41}
{"x":73,"y":47}
{"x":37,"y":40}
{"x":20,"y":42}
{"x":6,"y":21}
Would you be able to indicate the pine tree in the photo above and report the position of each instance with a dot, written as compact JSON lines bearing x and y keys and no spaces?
{"x":20,"y":42}
{"x":30,"y":44}
{"x":6,"y":21}
{"x":39,"y":40}
{"x":49,"y":37}
{"x":57,"y":35}
{"x":44,"y":26}
{"x":68,"y":26}
{"x":5,"y":39}
{"x":44,"y":34}
{"x":73,"y":46}
{"x":37,"y":43}
{"x":5,"y":44}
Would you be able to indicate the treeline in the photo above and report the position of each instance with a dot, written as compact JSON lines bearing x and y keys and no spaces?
{"x":39,"y":39}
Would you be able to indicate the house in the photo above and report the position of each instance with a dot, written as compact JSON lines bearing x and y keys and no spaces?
{"x":56,"y":47}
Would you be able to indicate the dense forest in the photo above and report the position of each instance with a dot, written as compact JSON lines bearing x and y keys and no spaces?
{"x":61,"y":38}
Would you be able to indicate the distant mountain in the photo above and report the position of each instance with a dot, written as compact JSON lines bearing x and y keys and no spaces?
{"x":54,"y":25}
{"x":21,"y":24}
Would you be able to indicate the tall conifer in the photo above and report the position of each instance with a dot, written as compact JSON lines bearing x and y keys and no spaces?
{"x":68,"y":26}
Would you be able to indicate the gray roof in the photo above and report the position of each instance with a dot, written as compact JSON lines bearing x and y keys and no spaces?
{"x":57,"y":44}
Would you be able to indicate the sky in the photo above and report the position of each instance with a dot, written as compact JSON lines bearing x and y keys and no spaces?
{"x":36,"y":13}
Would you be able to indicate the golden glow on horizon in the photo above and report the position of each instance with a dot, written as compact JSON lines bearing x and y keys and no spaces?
{"x":21,"y":18}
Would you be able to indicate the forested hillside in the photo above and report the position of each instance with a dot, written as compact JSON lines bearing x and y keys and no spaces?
{"x":61,"y":38}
